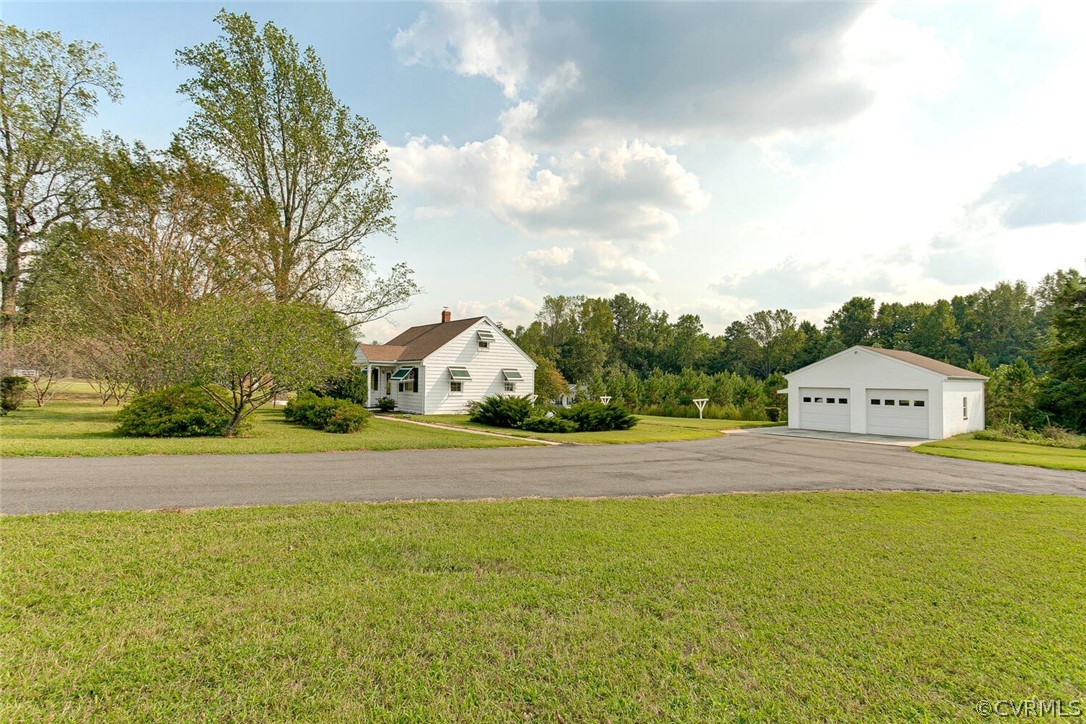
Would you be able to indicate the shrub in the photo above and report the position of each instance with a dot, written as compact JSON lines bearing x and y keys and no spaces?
{"x":548,"y":424}
{"x":386,"y":404}
{"x":348,"y":417}
{"x":326,"y":413}
{"x":352,"y":386}
{"x":173,"y":412}
{"x":12,"y":392}
{"x":598,"y":417}
{"x":501,"y":411}
{"x":773,"y":413}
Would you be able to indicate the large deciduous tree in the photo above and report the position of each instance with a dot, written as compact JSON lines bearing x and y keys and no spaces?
{"x":47,"y":89}
{"x":168,"y":232}
{"x":317,"y":172}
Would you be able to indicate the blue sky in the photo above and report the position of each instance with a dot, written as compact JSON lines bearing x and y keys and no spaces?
{"x":711,"y":158}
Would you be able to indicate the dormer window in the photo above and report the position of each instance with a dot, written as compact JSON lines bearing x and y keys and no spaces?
{"x":485,"y":338}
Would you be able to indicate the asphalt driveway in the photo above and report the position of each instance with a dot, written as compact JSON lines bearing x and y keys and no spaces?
{"x":736,"y":463}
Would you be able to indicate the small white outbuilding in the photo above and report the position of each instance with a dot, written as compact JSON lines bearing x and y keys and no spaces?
{"x":886,"y":392}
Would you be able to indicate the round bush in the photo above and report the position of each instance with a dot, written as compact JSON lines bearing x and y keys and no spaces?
{"x":12,"y":391}
{"x":598,"y":417}
{"x":548,"y":424}
{"x":501,"y":411}
{"x":326,"y":413}
{"x":348,"y":417}
{"x":173,"y":412}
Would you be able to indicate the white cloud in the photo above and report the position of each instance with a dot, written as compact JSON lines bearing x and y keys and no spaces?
{"x":624,"y":192}
{"x":594,"y":266}
{"x":470,"y":40}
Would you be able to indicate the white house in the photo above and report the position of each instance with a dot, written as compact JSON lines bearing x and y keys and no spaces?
{"x":886,"y":392}
{"x":439,"y":368}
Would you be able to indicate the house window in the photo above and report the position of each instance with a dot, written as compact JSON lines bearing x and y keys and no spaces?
{"x":485,"y":338}
{"x":376,"y":379}
{"x":510,"y":386}
{"x":407,"y":378}
{"x":483,"y":344}
{"x":965,"y":408}
{"x":456,"y":387}
{"x":806,"y":399}
{"x":876,"y":402}
{"x":842,"y":401}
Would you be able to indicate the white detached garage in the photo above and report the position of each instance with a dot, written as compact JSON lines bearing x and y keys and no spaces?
{"x":886,"y":392}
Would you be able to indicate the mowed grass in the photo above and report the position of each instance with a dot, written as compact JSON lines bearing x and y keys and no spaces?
{"x":84,"y":428}
{"x":1013,"y":453}
{"x":778,"y":607}
{"x":648,"y":429}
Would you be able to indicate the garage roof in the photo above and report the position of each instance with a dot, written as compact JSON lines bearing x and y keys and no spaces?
{"x":928,"y":363}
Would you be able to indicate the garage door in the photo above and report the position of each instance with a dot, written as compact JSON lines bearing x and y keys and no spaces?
{"x":824,"y":408}
{"x":897,"y":412}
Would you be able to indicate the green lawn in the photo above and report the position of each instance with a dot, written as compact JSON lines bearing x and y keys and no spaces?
{"x":779,"y":607}
{"x":648,"y":429}
{"x":1014,"y":453}
{"x":85,"y":428}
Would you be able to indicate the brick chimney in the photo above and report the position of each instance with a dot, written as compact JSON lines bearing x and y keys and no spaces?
{"x":446,"y":315}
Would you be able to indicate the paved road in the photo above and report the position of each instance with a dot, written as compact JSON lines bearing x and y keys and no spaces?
{"x":744,"y":462}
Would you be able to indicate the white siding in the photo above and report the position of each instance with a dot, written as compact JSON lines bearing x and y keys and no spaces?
{"x":485,"y":367}
{"x":954,"y":392}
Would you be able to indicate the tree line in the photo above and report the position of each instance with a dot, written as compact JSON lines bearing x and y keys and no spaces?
{"x":1030,"y":341}
{"x":126,"y":264}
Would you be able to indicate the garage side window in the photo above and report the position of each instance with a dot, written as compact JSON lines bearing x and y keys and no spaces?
{"x":965,"y":408}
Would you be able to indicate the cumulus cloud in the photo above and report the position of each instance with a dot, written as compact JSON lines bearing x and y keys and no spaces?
{"x":593,"y":266}
{"x":1038,"y":195}
{"x":582,"y":72}
{"x":624,"y":192}
{"x":510,"y":311}
{"x":795,"y":285}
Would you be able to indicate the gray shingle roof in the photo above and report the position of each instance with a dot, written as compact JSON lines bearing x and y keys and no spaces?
{"x":417,"y":343}
{"x":928,"y":363}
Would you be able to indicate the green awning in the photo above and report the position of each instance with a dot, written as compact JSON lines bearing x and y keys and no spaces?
{"x":486,"y":335}
{"x":401,"y":374}
{"x":513,"y":375}
{"x":459,"y":373}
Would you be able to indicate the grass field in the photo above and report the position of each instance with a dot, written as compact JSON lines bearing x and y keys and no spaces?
{"x":782,"y":607}
{"x":1013,"y":453}
{"x":648,"y":429}
{"x":81,"y":428}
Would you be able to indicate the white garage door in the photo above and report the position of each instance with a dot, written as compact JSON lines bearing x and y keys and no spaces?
{"x":824,"y":408}
{"x":897,"y":412}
